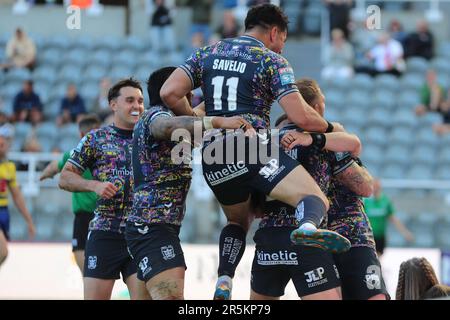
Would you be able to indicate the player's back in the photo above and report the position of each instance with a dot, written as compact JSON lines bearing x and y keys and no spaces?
{"x":240,"y":76}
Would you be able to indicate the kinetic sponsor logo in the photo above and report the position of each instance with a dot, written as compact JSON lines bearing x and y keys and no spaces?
{"x":230,"y":172}
{"x":276,"y":258}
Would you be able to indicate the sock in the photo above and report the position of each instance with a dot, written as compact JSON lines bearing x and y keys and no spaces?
{"x":310,"y":210}
{"x":232,"y":247}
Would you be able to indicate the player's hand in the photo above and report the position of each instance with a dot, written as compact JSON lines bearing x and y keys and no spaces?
{"x":45,"y":175}
{"x":231,"y":123}
{"x":337,"y":127}
{"x":31,"y":230}
{"x":294,"y":138}
{"x":105,"y":190}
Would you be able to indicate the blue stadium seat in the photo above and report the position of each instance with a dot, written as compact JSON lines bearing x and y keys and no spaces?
{"x":429,"y":119}
{"x":379,"y":117}
{"x":22,"y":129}
{"x":335,"y":98}
{"x":444,"y":50}
{"x":47,"y":130}
{"x":44,"y":73}
{"x":68,"y":143}
{"x":426,"y":136}
{"x":18,"y":75}
{"x":408,"y":99}
{"x":121,"y":72}
{"x":89,"y":91}
{"x":417,"y":65}
{"x":10,"y":90}
{"x":444,"y":157}
{"x":403,"y":117}
{"x":52,"y":110}
{"x":412,"y":81}
{"x":69,"y":131}
{"x":393,"y":171}
{"x":126,"y":58}
{"x":77,"y":57}
{"x":386,"y":82}
{"x":384,"y":99}
{"x":101,"y":58}
{"x":420,"y":171}
{"x":440,"y":64}
{"x":362,"y":81}
{"x":424,"y":154}
{"x":51,"y":57}
{"x":402,"y":135}
{"x":108,"y":42}
{"x":70,"y":74}
{"x":442,"y":173}
{"x":357,"y":98}
{"x":354,"y":116}
{"x":84,"y":42}
{"x":61,"y":42}
{"x":372,"y":153}
{"x":135,"y":43}
{"x":375,"y":135}
{"x":44,"y":227}
{"x":398,"y":154}
{"x":94,"y":73}
{"x":312,"y":20}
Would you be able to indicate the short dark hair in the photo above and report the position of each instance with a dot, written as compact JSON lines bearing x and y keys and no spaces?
{"x":88,"y":122}
{"x":155,"y":82}
{"x":114,"y":92}
{"x":266,"y":15}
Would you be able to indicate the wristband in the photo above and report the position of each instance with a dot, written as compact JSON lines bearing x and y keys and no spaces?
{"x":207,"y":123}
{"x":330,"y":127}
{"x":318,"y":140}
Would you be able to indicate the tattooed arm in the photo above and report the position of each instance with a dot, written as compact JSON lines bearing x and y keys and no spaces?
{"x":162,"y":127}
{"x":357,"y":179}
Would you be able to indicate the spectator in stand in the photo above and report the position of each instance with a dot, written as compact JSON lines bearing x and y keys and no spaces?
{"x":27,"y":106}
{"x":444,"y":127}
{"x":72,"y":106}
{"x":339,"y":15}
{"x":387,"y":56}
{"x":432,"y":95}
{"x":101,"y":106}
{"x":397,"y":32}
{"x":20,"y":51}
{"x":380,"y":210}
{"x":228,"y":29}
{"x":161,"y":29}
{"x":420,"y":43}
{"x":201,"y":18}
{"x":339,"y":57}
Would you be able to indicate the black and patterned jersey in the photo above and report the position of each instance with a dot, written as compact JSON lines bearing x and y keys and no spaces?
{"x":106,"y":152}
{"x":322,"y":165}
{"x":348,"y":217}
{"x":161,"y":185}
{"x":240,"y":76}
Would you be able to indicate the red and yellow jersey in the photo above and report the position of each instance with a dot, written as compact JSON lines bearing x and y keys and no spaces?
{"x":7,"y":178}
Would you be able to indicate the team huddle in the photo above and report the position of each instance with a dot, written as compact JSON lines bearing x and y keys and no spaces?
{"x":306,"y":189}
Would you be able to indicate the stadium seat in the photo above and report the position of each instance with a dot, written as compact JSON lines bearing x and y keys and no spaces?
{"x":417,"y":65}
{"x":101,"y":58}
{"x":379,"y":117}
{"x":18,"y":227}
{"x":440,"y":64}
{"x":363,"y":82}
{"x":52,"y":110}
{"x":372,"y":153}
{"x":44,"y":227}
{"x":94,"y":73}
{"x":443,"y":173}
{"x":375,"y":136}
{"x":121,"y":72}
{"x":354,"y":116}
{"x":444,"y":50}
{"x":125,"y":58}
{"x":386,"y":82}
{"x":77,"y":57}
{"x":22,"y":129}
{"x":402,"y":135}
{"x":412,"y":81}
{"x":68,"y":131}
{"x":429,"y":119}
{"x":393,"y":171}
{"x":384,"y":99}
{"x":45,"y":74}
{"x":70,"y":74}
{"x":47,"y":130}
{"x":89,"y":91}
{"x":443,"y":157}
{"x":426,"y":136}
{"x":335,"y":98}
{"x":403,"y":117}
{"x":67,"y":143}
{"x":408,"y":99}
{"x":109,"y":43}
{"x":61,"y":42}
{"x":18,"y":75}
{"x":84,"y":42}
{"x":419,"y":171}
{"x":424,"y":154}
{"x":135,"y":43}
{"x":394,"y":238}
{"x":398,"y":154}
{"x":312,"y":20}
{"x":51,"y":57}
{"x":357,"y":98}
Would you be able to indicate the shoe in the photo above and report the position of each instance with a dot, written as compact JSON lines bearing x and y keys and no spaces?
{"x":223,"y":288}
{"x":320,"y":238}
